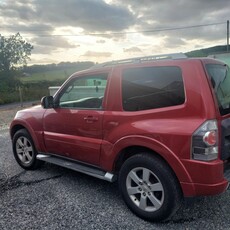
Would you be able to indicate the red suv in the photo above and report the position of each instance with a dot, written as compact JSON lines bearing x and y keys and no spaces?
{"x":159,"y":124}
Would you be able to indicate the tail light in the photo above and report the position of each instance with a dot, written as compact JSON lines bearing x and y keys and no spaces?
{"x":205,"y":142}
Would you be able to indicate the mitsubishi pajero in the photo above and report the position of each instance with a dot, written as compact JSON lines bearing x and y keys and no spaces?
{"x":160,"y":125}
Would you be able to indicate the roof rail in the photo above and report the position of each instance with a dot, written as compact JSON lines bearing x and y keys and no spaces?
{"x":142,"y":59}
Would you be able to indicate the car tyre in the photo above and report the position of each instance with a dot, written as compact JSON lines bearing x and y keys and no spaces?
{"x":149,"y":187}
{"x":25,"y":151}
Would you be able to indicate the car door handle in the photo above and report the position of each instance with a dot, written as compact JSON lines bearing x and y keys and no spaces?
{"x":90,"y":119}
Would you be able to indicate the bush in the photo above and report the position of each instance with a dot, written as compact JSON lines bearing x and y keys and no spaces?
{"x":8,"y":87}
{"x":10,"y":90}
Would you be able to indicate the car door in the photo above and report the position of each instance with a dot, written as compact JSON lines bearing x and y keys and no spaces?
{"x":73,"y":128}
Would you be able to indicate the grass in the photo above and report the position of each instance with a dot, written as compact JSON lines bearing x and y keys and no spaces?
{"x":35,"y":86}
{"x":54,"y":75}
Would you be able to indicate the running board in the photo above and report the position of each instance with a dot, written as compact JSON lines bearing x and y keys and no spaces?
{"x":92,"y":171}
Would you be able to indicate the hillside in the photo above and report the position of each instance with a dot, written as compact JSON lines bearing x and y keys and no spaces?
{"x":207,"y":51}
{"x":53,"y":72}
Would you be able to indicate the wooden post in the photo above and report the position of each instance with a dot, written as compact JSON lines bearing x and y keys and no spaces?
{"x":20,"y":95}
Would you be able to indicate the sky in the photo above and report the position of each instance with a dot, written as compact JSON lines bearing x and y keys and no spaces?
{"x":105,"y":30}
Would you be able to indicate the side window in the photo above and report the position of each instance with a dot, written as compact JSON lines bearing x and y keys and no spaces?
{"x":220,"y":79}
{"x":84,"y":93}
{"x":152,"y":87}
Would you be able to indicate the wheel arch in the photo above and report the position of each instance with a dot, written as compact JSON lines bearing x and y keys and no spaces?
{"x":158,"y":150}
{"x":16,"y":128}
{"x":134,"y":150}
{"x":18,"y":125}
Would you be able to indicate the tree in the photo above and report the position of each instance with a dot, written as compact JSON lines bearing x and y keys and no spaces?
{"x":14,"y":51}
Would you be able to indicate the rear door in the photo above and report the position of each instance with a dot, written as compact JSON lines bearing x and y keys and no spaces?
{"x":74,"y":128}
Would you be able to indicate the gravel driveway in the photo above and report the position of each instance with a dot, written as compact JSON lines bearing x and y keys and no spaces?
{"x":6,"y":116}
{"x":7,"y":112}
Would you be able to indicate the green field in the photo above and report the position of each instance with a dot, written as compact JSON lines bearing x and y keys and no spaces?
{"x":53,"y":75}
{"x":36,"y":85}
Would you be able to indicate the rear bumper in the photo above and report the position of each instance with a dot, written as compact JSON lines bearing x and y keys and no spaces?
{"x":191,"y":189}
{"x":206,"y":178}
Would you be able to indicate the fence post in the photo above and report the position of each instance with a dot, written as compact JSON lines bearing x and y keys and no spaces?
{"x":20,"y":96}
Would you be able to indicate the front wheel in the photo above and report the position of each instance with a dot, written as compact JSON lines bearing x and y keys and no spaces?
{"x":149,"y":188}
{"x":24,"y":150}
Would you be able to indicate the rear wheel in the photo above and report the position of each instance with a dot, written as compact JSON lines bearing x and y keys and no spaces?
{"x":149,"y":188}
{"x":24,"y":150}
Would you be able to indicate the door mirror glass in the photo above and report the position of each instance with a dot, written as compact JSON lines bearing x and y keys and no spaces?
{"x":47,"y":102}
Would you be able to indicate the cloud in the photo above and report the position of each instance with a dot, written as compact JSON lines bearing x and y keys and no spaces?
{"x":43,"y":50}
{"x":16,"y":9}
{"x":91,"y":15}
{"x":101,"y":41}
{"x":171,"y":42}
{"x":40,"y":20}
{"x":47,"y":45}
{"x":132,"y":50}
{"x":166,"y":11}
{"x":160,"y":15}
{"x":96,"y":54}
{"x":29,"y":29}
{"x":108,"y":25}
{"x":58,"y":42}
{"x":98,"y":16}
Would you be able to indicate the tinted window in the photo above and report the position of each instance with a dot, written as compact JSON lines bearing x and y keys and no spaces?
{"x":220,"y":78}
{"x":152,"y":87}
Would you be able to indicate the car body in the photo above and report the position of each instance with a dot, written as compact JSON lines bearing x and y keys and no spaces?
{"x":160,"y":125}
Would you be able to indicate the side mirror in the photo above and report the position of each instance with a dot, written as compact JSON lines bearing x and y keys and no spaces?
{"x":47,"y":102}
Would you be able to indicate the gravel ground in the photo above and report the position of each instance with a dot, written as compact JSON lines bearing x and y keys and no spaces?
{"x":6,"y":116}
{"x":57,"y":198}
{"x":7,"y":112}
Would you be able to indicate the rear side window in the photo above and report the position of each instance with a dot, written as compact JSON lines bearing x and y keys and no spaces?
{"x":220,"y":78}
{"x":152,"y":87}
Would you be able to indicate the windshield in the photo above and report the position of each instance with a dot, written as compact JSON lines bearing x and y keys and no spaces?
{"x":220,"y":78}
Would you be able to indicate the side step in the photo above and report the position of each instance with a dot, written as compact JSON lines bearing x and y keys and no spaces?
{"x":79,"y":167}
